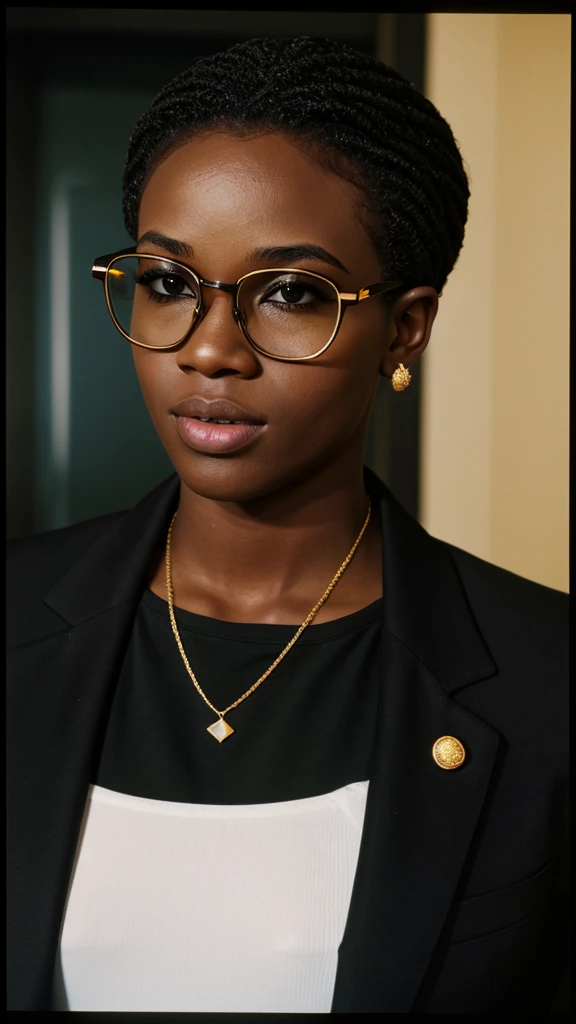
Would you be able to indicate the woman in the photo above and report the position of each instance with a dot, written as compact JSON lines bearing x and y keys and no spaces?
{"x":273,"y":747}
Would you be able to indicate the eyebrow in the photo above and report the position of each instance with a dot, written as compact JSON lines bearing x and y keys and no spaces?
{"x":293,"y":253}
{"x":275,"y":253}
{"x":169,"y":244}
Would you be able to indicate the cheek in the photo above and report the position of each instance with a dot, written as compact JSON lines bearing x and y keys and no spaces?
{"x":343,"y":381}
{"x":328,"y":401}
{"x":155,"y":372}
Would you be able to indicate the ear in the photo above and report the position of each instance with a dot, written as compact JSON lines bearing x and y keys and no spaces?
{"x":410,"y":326}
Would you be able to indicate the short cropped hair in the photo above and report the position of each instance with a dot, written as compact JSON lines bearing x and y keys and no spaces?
{"x":359,"y":117}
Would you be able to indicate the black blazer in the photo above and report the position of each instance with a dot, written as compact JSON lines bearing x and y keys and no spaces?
{"x":459,"y":902}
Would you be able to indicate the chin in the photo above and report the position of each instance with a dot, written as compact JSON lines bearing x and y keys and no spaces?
{"x":241,"y":480}
{"x":232,"y":479}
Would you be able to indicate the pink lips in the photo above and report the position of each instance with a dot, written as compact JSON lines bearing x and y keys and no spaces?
{"x":216,"y":437}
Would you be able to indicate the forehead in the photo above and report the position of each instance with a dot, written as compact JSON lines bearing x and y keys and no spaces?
{"x":220,"y":189}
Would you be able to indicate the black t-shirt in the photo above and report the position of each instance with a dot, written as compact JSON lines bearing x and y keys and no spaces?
{"x":308,"y":729}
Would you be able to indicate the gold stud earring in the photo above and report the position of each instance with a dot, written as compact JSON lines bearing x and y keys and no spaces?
{"x":401,"y":378}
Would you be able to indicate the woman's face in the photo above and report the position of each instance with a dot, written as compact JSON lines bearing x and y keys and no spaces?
{"x":225,"y":197}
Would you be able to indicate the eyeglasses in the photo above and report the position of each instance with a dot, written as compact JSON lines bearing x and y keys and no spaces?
{"x":284,"y":313}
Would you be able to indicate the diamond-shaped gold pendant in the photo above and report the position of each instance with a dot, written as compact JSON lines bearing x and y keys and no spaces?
{"x":220,"y":730}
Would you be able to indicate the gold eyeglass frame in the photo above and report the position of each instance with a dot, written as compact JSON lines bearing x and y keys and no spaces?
{"x":102,"y":266}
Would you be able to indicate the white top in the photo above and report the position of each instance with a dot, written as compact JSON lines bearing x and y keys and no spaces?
{"x":181,"y":907}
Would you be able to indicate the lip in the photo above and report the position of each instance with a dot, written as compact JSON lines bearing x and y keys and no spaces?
{"x":214,"y":409}
{"x":215,"y":438}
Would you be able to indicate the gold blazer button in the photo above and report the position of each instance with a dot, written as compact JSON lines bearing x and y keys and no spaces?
{"x":448,"y":752}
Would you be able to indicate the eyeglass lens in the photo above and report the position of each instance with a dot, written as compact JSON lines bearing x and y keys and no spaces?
{"x":285,"y":313}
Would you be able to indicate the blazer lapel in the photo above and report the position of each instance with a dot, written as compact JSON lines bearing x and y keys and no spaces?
{"x":61,"y":690}
{"x":420,"y":818}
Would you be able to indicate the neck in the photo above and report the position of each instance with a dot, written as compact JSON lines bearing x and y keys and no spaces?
{"x":272,"y":558}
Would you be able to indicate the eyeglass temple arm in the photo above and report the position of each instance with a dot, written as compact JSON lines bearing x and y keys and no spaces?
{"x":352,"y":298}
{"x":101,"y":263}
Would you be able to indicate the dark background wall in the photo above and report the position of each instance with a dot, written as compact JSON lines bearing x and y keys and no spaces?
{"x":79,"y":440}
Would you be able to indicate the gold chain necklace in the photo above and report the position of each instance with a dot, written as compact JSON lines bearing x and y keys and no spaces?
{"x":220,"y":728}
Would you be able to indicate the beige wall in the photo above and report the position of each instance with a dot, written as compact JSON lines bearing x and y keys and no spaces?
{"x":495,"y":377}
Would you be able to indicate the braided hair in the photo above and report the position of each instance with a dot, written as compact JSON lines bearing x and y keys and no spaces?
{"x":359,"y":118}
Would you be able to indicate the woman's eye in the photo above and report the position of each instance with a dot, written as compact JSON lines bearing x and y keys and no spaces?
{"x":293,"y":293}
{"x":166,"y":285}
{"x":171,"y":284}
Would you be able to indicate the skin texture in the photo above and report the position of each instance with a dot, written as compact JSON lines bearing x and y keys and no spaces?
{"x":260,"y":532}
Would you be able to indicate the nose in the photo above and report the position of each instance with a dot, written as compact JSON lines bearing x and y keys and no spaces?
{"x":217,"y":347}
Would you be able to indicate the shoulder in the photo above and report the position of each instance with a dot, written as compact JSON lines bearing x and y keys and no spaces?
{"x":511,"y":593}
{"x":34,"y":565}
{"x":46,"y":556}
{"x":518,"y":617}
